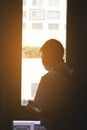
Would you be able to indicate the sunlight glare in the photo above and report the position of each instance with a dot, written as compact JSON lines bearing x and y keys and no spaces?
{"x":40,"y":23}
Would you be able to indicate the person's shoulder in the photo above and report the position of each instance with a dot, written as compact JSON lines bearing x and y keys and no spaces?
{"x":51,"y":77}
{"x":65,"y":68}
{"x":46,"y":75}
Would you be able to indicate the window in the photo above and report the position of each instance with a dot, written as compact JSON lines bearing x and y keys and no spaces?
{"x":53,"y":14}
{"x":53,"y":26}
{"x":37,"y":26}
{"x":37,"y":14}
{"x":37,"y":2}
{"x":53,"y":2}
{"x":44,"y":21}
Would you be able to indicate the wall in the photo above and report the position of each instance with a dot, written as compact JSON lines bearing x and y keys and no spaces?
{"x":10,"y":60}
{"x":76,"y":35}
{"x":76,"y":53}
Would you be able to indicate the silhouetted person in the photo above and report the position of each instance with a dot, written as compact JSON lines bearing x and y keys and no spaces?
{"x":52,"y":99}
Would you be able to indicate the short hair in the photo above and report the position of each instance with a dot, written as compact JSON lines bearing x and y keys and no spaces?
{"x":53,"y":48}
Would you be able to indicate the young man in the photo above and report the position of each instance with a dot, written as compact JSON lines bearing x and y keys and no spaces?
{"x":52,"y":100}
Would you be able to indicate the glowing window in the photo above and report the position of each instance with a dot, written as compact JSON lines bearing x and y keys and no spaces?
{"x":37,"y":26}
{"x":37,"y":2}
{"x":42,"y":23}
{"x":53,"y":26}
{"x":53,"y":2}
{"x":53,"y":14}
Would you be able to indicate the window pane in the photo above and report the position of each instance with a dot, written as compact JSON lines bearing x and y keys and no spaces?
{"x":53,"y":2}
{"x":37,"y":14}
{"x":53,"y":14}
{"x":42,"y":20}
{"x":37,"y":2}
{"x":53,"y":26}
{"x":37,"y":26}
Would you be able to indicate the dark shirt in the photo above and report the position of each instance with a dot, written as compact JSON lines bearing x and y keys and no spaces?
{"x":53,"y":96}
{"x":54,"y":88}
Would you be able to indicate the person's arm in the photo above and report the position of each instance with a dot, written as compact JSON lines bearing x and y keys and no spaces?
{"x":33,"y":106}
{"x":42,"y":95}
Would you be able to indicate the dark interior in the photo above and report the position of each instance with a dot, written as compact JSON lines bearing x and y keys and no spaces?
{"x":10,"y":59}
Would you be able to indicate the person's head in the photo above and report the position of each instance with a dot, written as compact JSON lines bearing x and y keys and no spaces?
{"x":52,"y":53}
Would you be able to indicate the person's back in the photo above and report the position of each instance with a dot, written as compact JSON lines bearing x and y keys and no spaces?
{"x":54,"y":90}
{"x":53,"y":97}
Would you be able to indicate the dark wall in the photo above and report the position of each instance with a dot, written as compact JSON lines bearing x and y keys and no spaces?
{"x":10,"y":60}
{"x":77,"y":54}
{"x":77,"y":35}
{"x":10,"y":55}
{"x":10,"y":64}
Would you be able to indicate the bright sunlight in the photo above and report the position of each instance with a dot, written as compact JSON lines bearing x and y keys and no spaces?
{"x":41,"y":20}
